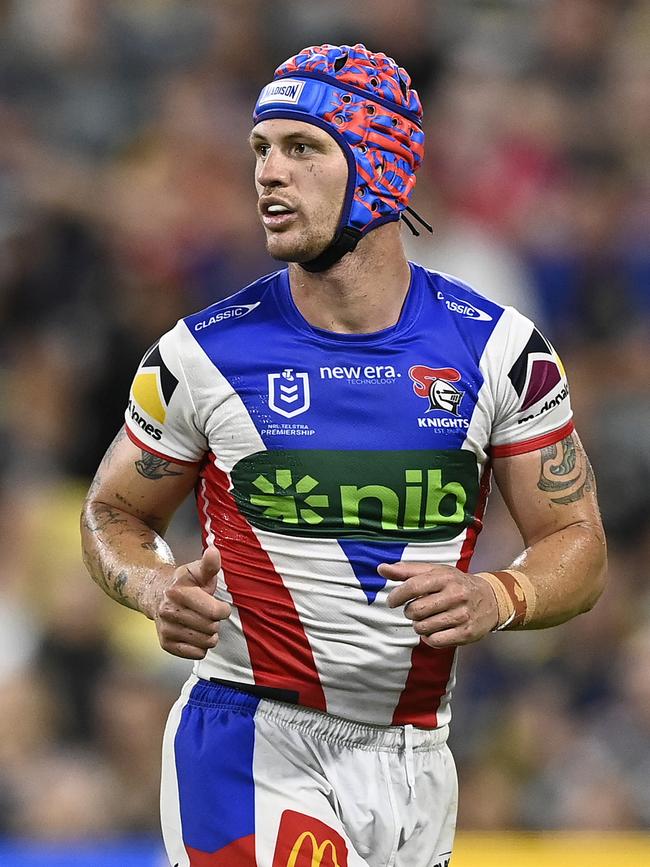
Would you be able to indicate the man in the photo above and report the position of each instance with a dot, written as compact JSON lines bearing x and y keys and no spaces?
{"x":339,"y":422}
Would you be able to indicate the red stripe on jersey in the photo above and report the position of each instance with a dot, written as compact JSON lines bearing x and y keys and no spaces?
{"x":280,"y":653}
{"x":469,"y":544}
{"x":151,"y":451}
{"x":425,"y":686}
{"x":532,"y":445}
{"x":427,"y":680}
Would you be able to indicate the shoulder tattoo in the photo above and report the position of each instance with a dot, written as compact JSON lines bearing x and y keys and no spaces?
{"x":152,"y":467}
{"x":565,"y":474}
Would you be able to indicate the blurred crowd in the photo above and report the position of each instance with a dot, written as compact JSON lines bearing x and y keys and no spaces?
{"x":126,"y":201}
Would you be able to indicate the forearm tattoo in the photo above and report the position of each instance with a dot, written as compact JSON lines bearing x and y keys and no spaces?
{"x":110,"y":527}
{"x":152,"y":467}
{"x":566,"y":473}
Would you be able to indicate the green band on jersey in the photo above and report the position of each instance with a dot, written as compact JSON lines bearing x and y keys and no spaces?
{"x":416,"y":496}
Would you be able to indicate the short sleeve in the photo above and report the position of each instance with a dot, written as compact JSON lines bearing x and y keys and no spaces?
{"x":160,"y":416}
{"x":533,"y":406}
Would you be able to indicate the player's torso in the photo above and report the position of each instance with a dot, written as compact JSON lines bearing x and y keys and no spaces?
{"x":330,"y":454}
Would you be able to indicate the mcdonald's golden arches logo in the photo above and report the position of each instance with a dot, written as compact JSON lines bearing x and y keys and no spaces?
{"x":304,"y":841}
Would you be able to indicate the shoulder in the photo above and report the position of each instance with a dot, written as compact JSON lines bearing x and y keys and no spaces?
{"x":182,"y":348}
{"x":242,"y":308}
{"x":459,"y":297}
{"x":468,"y":303}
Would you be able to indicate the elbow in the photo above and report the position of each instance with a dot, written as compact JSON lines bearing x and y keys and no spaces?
{"x":87,"y":523}
{"x":597,"y":573}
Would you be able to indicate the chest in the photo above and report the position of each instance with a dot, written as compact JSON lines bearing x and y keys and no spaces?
{"x":358,"y":444}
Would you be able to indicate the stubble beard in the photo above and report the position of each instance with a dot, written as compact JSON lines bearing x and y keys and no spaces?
{"x":303,"y":248}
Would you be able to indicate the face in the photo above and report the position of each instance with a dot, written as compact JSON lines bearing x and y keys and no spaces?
{"x":300,"y":176}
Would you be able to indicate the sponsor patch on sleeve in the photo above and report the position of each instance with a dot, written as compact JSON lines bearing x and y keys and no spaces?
{"x":537,"y":372}
{"x":154,"y":385}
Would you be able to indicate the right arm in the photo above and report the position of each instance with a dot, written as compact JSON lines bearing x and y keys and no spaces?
{"x":126,"y":513}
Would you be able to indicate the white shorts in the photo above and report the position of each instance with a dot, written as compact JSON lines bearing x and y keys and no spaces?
{"x":253,"y":782}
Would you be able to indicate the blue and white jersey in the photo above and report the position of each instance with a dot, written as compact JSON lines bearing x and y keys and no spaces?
{"x":324,"y":454}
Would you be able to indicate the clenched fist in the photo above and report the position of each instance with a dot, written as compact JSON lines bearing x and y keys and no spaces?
{"x":448,"y":607}
{"x":187,"y":615}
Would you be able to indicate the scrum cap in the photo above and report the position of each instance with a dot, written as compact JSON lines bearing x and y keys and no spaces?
{"x":365,"y":101}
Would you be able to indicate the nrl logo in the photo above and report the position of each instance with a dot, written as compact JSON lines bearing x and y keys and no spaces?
{"x":289,"y":393}
{"x":436,"y":385}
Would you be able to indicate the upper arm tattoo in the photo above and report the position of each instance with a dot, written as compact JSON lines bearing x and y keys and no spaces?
{"x":565,"y":473}
{"x":152,"y":467}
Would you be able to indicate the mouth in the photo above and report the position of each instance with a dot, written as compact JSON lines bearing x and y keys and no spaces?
{"x":276,"y":214}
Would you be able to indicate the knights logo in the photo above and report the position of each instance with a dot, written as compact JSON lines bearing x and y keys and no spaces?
{"x":289,"y":393}
{"x":435,"y":385}
{"x":154,"y":385}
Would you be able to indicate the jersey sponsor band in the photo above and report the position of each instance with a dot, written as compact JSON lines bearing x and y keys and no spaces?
{"x":408,"y":495}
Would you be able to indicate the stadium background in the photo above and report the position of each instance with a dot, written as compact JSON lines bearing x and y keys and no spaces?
{"x":126,"y":200}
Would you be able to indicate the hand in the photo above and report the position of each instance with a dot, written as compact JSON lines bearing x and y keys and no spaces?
{"x":187,"y":617}
{"x":448,"y":607}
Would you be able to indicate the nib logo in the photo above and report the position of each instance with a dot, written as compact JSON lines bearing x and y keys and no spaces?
{"x":288,"y":502}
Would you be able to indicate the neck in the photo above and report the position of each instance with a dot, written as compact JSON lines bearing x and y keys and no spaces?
{"x":362,"y":293}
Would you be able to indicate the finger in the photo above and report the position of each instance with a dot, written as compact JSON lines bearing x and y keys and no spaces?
{"x":440,"y":622}
{"x":446,"y":599}
{"x":197,"y":600}
{"x":402,"y":571}
{"x":171,"y":634}
{"x":185,"y":651}
{"x":418,"y":585}
{"x":454,"y":637}
{"x":189,"y":619}
{"x":201,"y":573}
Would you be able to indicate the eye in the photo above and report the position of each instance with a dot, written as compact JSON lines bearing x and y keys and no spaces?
{"x":262,"y":150}
{"x":301,"y":148}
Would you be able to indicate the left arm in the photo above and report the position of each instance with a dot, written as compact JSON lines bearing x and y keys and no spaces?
{"x":551,"y":495}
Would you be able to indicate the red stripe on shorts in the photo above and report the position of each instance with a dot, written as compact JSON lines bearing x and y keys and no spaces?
{"x":239,"y":853}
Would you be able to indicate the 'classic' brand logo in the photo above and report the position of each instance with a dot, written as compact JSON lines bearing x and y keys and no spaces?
{"x":234,"y":312}
{"x":463,"y":308}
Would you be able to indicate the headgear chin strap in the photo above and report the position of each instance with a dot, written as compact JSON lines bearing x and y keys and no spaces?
{"x":365,"y":102}
{"x":345,"y":241}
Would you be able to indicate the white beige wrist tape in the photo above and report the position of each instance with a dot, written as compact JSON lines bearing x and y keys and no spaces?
{"x":515,"y":595}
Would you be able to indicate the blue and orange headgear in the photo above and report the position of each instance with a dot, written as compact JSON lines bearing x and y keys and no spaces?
{"x":366,"y":103}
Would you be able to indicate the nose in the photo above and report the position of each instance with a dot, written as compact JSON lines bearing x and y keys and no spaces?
{"x":273,"y":171}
